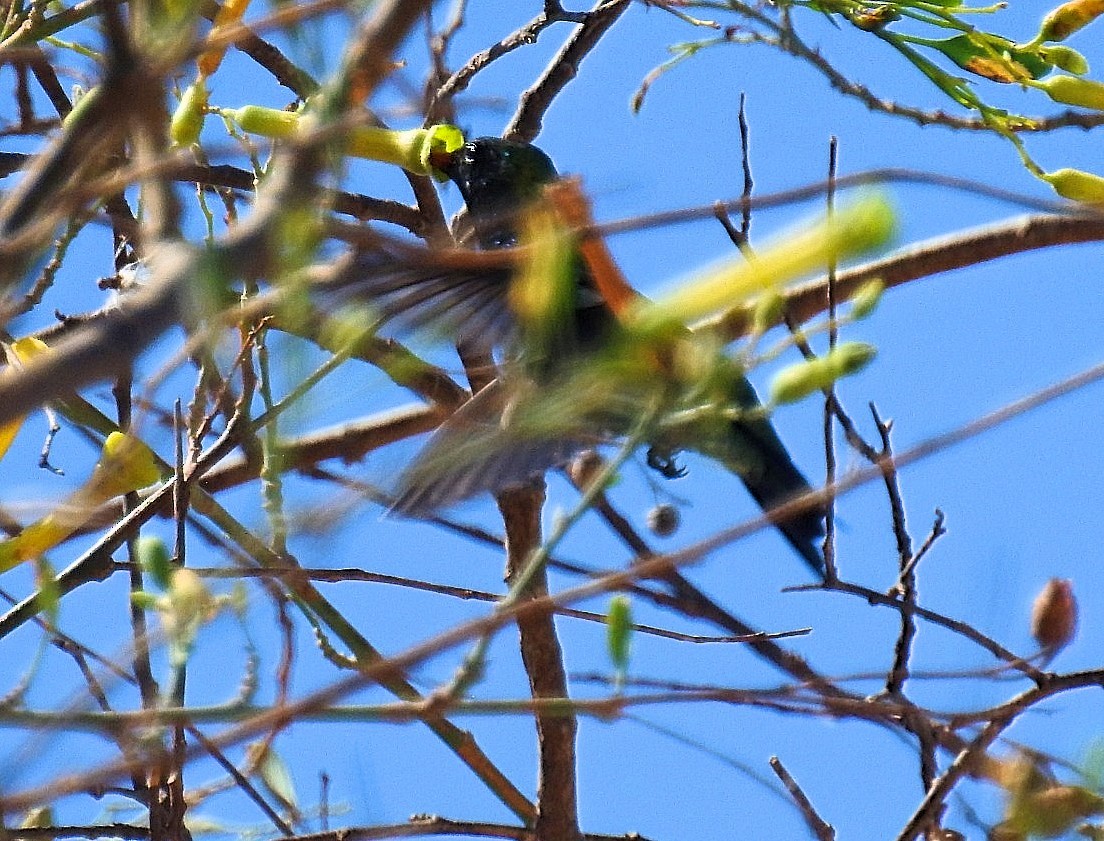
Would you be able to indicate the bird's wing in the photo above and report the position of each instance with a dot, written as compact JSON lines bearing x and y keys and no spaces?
{"x":484,"y":446}
{"x":460,"y":293}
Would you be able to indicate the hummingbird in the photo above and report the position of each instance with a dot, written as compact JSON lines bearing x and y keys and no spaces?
{"x":515,"y":428}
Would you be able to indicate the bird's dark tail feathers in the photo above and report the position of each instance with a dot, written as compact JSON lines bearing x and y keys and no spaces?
{"x":757,"y":455}
{"x":778,"y":484}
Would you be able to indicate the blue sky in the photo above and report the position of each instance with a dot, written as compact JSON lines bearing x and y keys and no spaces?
{"x":1022,"y":502}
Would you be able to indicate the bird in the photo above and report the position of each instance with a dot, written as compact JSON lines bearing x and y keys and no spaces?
{"x":579,"y":386}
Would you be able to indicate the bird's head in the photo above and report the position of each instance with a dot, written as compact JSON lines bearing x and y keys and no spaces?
{"x":497,"y":176}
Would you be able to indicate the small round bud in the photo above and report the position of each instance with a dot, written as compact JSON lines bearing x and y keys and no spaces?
{"x":663,"y":520}
{"x":154,"y":558}
{"x":585,"y":468}
{"x":1054,"y":615}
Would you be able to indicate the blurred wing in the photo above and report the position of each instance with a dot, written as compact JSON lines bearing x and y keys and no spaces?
{"x":461,"y":293}
{"x":479,"y":449}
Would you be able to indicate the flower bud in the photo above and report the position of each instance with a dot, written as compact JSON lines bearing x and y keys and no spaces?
{"x":1076,"y":184}
{"x":1065,"y":58}
{"x":852,"y":230}
{"x":1062,"y":22}
{"x":867,"y":298}
{"x":1071,"y":90}
{"x":663,"y":520}
{"x":415,"y":150}
{"x":126,"y":465}
{"x":793,"y":383}
{"x":187,"y":120}
{"x":153,"y":556}
{"x":798,"y":381}
{"x":619,"y":632}
{"x":585,"y":468}
{"x":83,"y":104}
{"x":871,"y":19}
{"x":850,"y":357}
{"x":267,"y":122}
{"x":994,"y":58}
{"x":19,"y":352}
{"x":1054,"y":615}
{"x":768,"y":310}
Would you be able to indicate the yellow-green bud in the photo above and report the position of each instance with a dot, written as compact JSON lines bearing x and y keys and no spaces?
{"x":153,"y":556}
{"x":188,"y":594}
{"x":797,"y":381}
{"x":768,"y":310}
{"x":850,"y":357}
{"x":186,"y":605}
{"x":1065,"y":58}
{"x":40,"y":817}
{"x":1076,"y":184}
{"x":851,"y":230}
{"x":28,"y":347}
{"x":619,"y":631}
{"x":187,"y":120}
{"x":144,"y":600}
{"x":268,"y":122}
{"x":20,"y":351}
{"x":993,"y":58}
{"x":867,"y":298}
{"x":1071,"y":90}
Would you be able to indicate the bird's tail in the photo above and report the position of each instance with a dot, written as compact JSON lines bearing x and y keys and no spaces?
{"x":781,"y":482}
{"x":757,"y":455}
